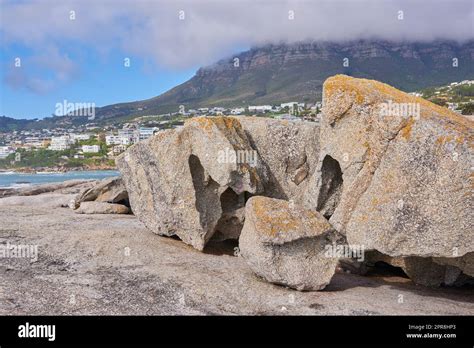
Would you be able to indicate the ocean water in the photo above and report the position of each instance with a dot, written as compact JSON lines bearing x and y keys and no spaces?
{"x":10,"y":179}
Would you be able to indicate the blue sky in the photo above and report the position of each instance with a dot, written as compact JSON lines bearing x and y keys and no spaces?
{"x":99,"y":80}
{"x":74,"y":50}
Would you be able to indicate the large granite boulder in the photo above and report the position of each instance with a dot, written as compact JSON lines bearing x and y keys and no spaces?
{"x":289,"y":150}
{"x":395,"y":171}
{"x":286,"y":244}
{"x":193,"y":182}
{"x":189,"y":182}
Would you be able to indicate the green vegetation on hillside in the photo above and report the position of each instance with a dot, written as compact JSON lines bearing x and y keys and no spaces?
{"x":461,"y":95}
{"x":44,"y":158}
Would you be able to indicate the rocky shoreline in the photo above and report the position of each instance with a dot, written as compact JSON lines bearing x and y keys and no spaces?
{"x":74,"y":185}
{"x":353,"y":216}
{"x":387,"y":181}
{"x":31,"y":170}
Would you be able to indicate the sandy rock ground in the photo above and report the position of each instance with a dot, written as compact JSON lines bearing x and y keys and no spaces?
{"x":110,"y":264}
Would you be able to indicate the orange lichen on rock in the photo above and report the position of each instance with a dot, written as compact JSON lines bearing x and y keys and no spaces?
{"x":371,"y":91}
{"x":406,"y":130}
{"x":277,"y":218}
{"x":275,"y":222}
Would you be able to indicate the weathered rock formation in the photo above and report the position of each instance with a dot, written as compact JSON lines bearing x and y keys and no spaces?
{"x":391,"y":172}
{"x":399,"y":182}
{"x":285,"y":244}
{"x":289,"y":152}
{"x":178,"y":185}
{"x":193,"y":182}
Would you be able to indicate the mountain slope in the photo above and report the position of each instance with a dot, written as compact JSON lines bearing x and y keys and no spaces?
{"x":280,"y":73}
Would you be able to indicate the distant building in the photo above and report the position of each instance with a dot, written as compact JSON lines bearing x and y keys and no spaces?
{"x":113,"y":139}
{"x":288,"y":105}
{"x":127,"y":136}
{"x":260,"y":108}
{"x":293,"y":107}
{"x":5,"y":151}
{"x":118,"y":149}
{"x":237,"y":111}
{"x":146,"y":132}
{"x":60,"y":143}
{"x":36,"y":141}
{"x":78,"y":137}
{"x":90,"y":148}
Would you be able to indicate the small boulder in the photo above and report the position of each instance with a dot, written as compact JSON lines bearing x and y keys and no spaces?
{"x":285,"y":244}
{"x":102,"y":208}
{"x":111,"y":190}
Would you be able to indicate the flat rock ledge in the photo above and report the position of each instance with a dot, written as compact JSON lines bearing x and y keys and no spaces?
{"x":68,"y":186}
{"x":102,"y":208}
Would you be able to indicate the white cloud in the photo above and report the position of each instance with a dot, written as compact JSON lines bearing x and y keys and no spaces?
{"x":213,"y":29}
{"x":30,"y":74}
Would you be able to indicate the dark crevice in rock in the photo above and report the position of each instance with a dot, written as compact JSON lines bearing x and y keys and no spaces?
{"x":271,"y":184}
{"x":226,"y":247}
{"x":125,"y":202}
{"x":222,"y":214}
{"x":207,"y":200}
{"x":331,"y":187}
{"x":231,"y":201}
{"x":232,"y":220}
{"x":383,"y":268}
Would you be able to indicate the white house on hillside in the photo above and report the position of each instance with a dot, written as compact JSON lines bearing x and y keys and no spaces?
{"x":60,"y":143}
{"x":5,"y":151}
{"x":90,"y":148}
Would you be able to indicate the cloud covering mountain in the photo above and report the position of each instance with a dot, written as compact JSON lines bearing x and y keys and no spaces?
{"x":180,"y":34}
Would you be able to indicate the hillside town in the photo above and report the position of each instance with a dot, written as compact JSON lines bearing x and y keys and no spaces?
{"x":456,"y":96}
{"x":91,"y":141}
